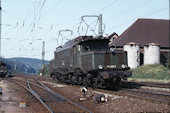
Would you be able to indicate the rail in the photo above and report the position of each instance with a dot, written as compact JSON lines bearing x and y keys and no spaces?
{"x":47,"y":104}
{"x":69,"y":101}
{"x":160,"y":97}
{"x":150,"y":84}
{"x":35,"y":95}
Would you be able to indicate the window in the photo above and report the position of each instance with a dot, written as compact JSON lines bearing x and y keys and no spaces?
{"x":95,"y":45}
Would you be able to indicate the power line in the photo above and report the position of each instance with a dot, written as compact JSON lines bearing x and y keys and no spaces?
{"x":28,"y":13}
{"x":145,"y":15}
{"x":105,"y":7}
{"x":52,"y":8}
{"x":41,"y":9}
{"x":76,"y":10}
{"x":129,"y":9}
{"x":137,"y":6}
{"x":30,"y":22}
{"x":150,"y":13}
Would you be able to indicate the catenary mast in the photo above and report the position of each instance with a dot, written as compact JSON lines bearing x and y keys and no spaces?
{"x":0,"y":26}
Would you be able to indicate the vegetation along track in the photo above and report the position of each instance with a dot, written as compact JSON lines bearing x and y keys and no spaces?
{"x":53,"y":102}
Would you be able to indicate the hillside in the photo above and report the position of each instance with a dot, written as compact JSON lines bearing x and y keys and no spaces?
{"x":29,"y":62}
{"x":24,"y":65}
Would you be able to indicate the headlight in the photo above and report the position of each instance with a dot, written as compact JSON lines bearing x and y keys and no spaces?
{"x":100,"y":67}
{"x":112,"y":49}
{"x":124,"y":66}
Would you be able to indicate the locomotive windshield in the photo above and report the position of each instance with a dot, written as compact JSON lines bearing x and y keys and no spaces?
{"x":95,"y":45}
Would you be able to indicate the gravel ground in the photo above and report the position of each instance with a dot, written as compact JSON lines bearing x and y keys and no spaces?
{"x":11,"y":97}
{"x":114,"y":104}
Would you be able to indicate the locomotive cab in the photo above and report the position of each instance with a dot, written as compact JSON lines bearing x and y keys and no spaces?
{"x":95,"y":45}
{"x":107,"y":67}
{"x":97,"y":51}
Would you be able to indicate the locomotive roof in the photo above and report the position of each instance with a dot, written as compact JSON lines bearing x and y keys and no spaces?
{"x":78,"y":40}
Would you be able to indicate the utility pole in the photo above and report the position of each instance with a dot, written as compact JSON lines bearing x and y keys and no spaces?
{"x":0,"y":26}
{"x":100,"y":32}
{"x":43,"y":57}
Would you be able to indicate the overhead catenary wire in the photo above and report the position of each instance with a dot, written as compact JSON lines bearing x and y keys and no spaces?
{"x":121,"y":12}
{"x":78,"y":9}
{"x":105,"y":7}
{"x":22,"y":26}
{"x":31,"y":23}
{"x":145,"y":15}
{"x":52,"y":8}
{"x":133,"y":8}
{"x":150,"y":13}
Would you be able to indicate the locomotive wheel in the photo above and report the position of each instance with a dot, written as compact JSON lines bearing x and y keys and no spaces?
{"x":89,"y":82}
{"x":84,"y":81}
{"x":63,"y":78}
{"x":74,"y":79}
{"x":80,"y":80}
{"x":109,"y":83}
{"x":59,"y":77}
{"x":118,"y":81}
{"x":99,"y":82}
{"x":69,"y":78}
{"x":54,"y":77}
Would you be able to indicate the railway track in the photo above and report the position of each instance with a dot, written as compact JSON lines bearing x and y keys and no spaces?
{"x":150,"y":84}
{"x":133,"y":91}
{"x":50,"y":100}
{"x":148,"y":95}
{"x":141,"y":94}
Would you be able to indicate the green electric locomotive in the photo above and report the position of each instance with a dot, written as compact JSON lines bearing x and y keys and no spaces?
{"x":88,"y":61}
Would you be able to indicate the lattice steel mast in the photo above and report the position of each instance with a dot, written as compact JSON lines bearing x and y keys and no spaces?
{"x":43,"y":57}
{"x":0,"y":26}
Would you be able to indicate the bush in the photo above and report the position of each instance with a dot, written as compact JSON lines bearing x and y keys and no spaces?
{"x":158,"y":72}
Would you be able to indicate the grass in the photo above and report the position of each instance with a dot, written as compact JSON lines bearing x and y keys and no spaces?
{"x":151,"y":72}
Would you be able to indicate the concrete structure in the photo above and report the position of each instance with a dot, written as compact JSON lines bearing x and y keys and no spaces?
{"x":145,"y":31}
{"x":152,"y":54}
{"x":133,"y":54}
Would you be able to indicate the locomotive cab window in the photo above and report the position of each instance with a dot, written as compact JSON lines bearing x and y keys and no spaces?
{"x":95,"y":45}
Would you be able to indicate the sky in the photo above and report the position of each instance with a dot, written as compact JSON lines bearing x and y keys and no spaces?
{"x":27,"y":23}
